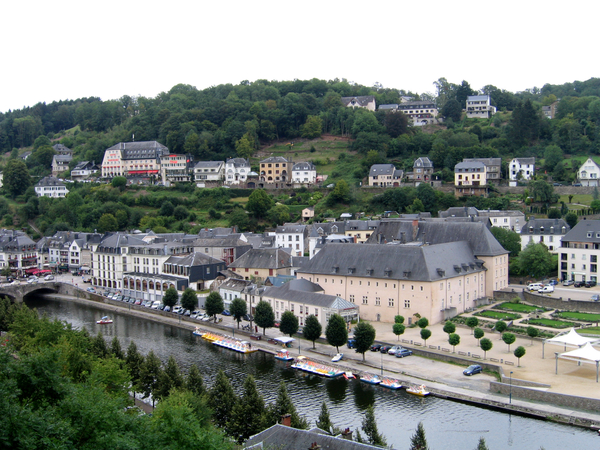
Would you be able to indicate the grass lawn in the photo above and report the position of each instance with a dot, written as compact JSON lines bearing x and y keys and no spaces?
{"x":590,"y":330}
{"x":551,"y":323}
{"x":582,"y":199}
{"x":585,"y":317}
{"x":498,"y":315}
{"x":519,"y":307}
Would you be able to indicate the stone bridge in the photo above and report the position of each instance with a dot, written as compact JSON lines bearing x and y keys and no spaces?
{"x":17,"y":291}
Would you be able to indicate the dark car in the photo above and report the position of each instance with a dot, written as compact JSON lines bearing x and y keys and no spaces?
{"x":578,"y":284}
{"x":248,"y":317}
{"x":375,"y":347}
{"x":472,"y":370}
{"x":590,"y":283}
{"x":403,"y":352}
{"x":226,"y":312}
{"x":351,"y":343}
{"x":385,"y":348}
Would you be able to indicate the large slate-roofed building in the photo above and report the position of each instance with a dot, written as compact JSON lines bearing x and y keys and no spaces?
{"x":133,"y":158}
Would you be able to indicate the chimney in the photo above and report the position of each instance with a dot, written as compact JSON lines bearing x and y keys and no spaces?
{"x":286,"y":420}
{"x":355,"y":239}
{"x":347,"y":434}
{"x":415,"y":227}
{"x":314,"y":446}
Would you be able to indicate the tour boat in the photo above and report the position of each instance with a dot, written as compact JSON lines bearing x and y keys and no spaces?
{"x":337,"y":357}
{"x":212,"y":337}
{"x":418,"y":390}
{"x":105,"y":320}
{"x":316,"y":368}
{"x":283,"y":355}
{"x":197,"y":332}
{"x":235,"y":345}
{"x":371,"y":379}
{"x":349,"y":376}
{"x":390,"y":383}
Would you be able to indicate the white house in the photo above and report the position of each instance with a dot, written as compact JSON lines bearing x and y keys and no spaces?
{"x":480,"y":107}
{"x":579,"y":251}
{"x":236,"y":171}
{"x":292,"y":236}
{"x":545,"y":231}
{"x":521,"y":169}
{"x":51,"y":187}
{"x":209,"y":171}
{"x":589,"y":173}
{"x":364,"y":101}
{"x":304,"y":173}
{"x":83,"y":170}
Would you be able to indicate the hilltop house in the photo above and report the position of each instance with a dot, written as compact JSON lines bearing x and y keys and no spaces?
{"x":493,"y":168}
{"x":366,"y":101}
{"x":385,"y":175}
{"x":480,"y":107}
{"x":140,"y":159}
{"x":236,"y":171}
{"x":419,"y":113}
{"x":83,"y":170}
{"x":304,"y":173}
{"x":275,"y":172}
{"x":521,"y":169}
{"x":206,"y":171}
{"x":51,"y":187}
{"x":589,"y":173}
{"x":60,"y":161}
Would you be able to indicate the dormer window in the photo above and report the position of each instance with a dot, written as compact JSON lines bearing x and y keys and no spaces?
{"x":530,"y":230}
{"x":387,"y":272}
{"x":406,"y":273}
{"x":336,"y":269}
{"x":369,"y":271}
{"x":351,"y":270}
{"x":542,"y":230}
{"x":589,"y":235}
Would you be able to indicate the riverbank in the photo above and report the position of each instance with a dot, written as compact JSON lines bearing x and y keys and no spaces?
{"x":443,"y":379}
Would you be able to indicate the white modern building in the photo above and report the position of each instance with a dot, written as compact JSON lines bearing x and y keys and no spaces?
{"x":579,"y":251}
{"x":521,"y":169}
{"x":51,"y":187}
{"x":480,"y":107}
{"x":207,"y":171}
{"x":304,"y":173}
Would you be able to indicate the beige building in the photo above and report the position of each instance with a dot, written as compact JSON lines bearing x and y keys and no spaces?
{"x":275,"y":170}
{"x":260,"y":263}
{"x":385,"y":175}
{"x":174,"y":169}
{"x":141,"y":159}
{"x":470,"y":179}
{"x":433,"y":281}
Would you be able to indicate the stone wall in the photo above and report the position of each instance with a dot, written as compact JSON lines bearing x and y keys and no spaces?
{"x":566,"y":304}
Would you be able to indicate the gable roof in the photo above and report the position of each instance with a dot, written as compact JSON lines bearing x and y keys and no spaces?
{"x":525,"y":161}
{"x":424,"y":162}
{"x":308,"y":293}
{"x":193,"y":260}
{"x":362,"y":100}
{"x":545,"y":226}
{"x":304,"y":166}
{"x":385,"y":169}
{"x":274,"y":159}
{"x":50,"y":181}
{"x":263,"y":258}
{"x":584,"y":231}
{"x":208,"y":164}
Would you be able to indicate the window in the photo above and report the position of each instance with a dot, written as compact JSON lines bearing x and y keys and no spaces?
{"x":352,"y":298}
{"x":407,"y":303}
{"x":365,"y":300}
{"x":377,"y":301}
{"x":390,"y":302}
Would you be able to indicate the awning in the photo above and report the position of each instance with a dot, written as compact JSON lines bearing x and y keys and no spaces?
{"x":284,"y":339}
{"x":141,"y":172}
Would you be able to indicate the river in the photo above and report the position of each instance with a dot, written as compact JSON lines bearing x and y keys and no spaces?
{"x":448,"y":424}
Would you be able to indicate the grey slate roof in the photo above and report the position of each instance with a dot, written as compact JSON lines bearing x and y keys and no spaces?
{"x":363,"y":100}
{"x":395,"y":262}
{"x":290,"y":228}
{"x":304,"y":166}
{"x":480,"y":238}
{"x":413,"y":104}
{"x":584,"y":231}
{"x":140,"y":150}
{"x":238,"y":162}
{"x":477,"y":98}
{"x":234,"y":284}
{"x":467,"y":166}
{"x":486,"y":161}
{"x":524,"y":161}
{"x":193,"y":260}
{"x":545,"y":226}
{"x":459,"y":211}
{"x":62,"y":158}
{"x":280,"y":437}
{"x":327,"y":228}
{"x":60,"y":148}
{"x":306,"y":292}
{"x":274,"y":159}
{"x":263,"y":258}
{"x":385,"y":169}
{"x":390,"y":107}
{"x":423,"y":162}
{"x":208,"y":164}
{"x":50,"y":181}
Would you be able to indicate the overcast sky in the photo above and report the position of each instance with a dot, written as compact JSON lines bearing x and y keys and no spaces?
{"x":58,"y":50}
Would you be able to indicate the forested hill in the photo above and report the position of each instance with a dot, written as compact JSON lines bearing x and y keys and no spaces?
{"x":223,"y":120}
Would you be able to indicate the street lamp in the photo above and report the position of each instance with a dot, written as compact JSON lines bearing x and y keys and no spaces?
{"x":381,"y":364}
{"x":510,"y":389}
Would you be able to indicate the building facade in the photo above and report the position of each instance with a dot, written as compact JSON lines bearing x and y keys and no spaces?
{"x":365,"y":101}
{"x":521,"y":169}
{"x":385,"y":175}
{"x":470,"y":179}
{"x":236,"y":171}
{"x":304,"y":173}
{"x":276,"y":171}
{"x":140,"y":159}
{"x":589,"y":173}
{"x":51,"y":187}
{"x":206,"y":171}
{"x":579,"y":252}
{"x":480,"y":107}
{"x":544,"y":231}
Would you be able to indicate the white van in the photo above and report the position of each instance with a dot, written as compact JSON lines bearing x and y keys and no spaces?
{"x":176,"y":309}
{"x":156,"y":304}
{"x":546,"y":289}
{"x":535,"y":286}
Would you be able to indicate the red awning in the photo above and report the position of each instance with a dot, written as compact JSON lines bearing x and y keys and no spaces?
{"x":140,"y":172}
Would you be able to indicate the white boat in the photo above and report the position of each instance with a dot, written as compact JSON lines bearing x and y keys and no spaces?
{"x":105,"y":320}
{"x":418,"y":390}
{"x":197,"y":332}
{"x":337,"y":357}
{"x":349,"y":376}
{"x":284,"y":355}
{"x":371,"y":379}
{"x":390,"y":383}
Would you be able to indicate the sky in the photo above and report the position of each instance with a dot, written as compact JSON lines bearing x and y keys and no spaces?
{"x":67,"y":49}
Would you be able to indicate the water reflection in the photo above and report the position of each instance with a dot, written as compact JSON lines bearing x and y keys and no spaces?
{"x":448,"y":425}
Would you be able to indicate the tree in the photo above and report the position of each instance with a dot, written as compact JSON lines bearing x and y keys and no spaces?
{"x":449,"y":327}
{"x":324,"y":422}
{"x":398,"y":319}
{"x":312,"y":128}
{"x":422,"y":322}
{"x":519,"y":353}
{"x":535,"y":260}
{"x":171,"y":297}
{"x":452,"y":110}
{"x":541,"y":191}
{"x":396,"y":123}
{"x":221,"y":399}
{"x":553,"y":156}
{"x":369,"y":426}
{"x":453,"y":340}
{"x":595,"y":205}
{"x":425,"y":334}
{"x":312,"y":329}
{"x":472,"y":322}
{"x":214,"y":304}
{"x":180,"y":212}
{"x":571,"y":218}
{"x":149,"y":375}
{"x":107,"y":222}
{"x":532,"y":332}
{"x":398,"y":329}
{"x":284,"y":405}
{"x":119,"y":182}
{"x":264,"y":316}
{"x":279,"y":214}
{"x":288,"y":323}
{"x":133,"y":362}
{"x":500,"y":326}
{"x":248,"y":414}
{"x":116,"y":350}
{"x":486,"y":345}
{"x":508,"y":239}
{"x":364,"y":336}
{"x":509,"y":338}
{"x":259,"y":203}
{"x":463,"y":91}
{"x":554,"y":213}
{"x":478,"y":333}
{"x":189,"y":299}
{"x":481,"y":445}
{"x":244,"y":147}
{"x":194,"y":382}
{"x":238,"y":309}
{"x":340,"y":193}
{"x":336,"y":331}
{"x":16,"y":178}
{"x":418,"y":440}
{"x":166,"y":209}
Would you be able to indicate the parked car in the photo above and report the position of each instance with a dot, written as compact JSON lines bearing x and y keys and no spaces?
{"x":91,"y":289}
{"x":155,"y":304}
{"x":553,"y":282}
{"x":472,"y":370}
{"x":132,"y":300}
{"x":32,"y":280}
{"x":590,"y":283}
{"x":568,"y":283}
{"x":394,"y":349}
{"x":49,"y":277}
{"x":248,"y":317}
{"x":385,"y":348}
{"x":546,"y":289}
{"x":351,"y":343}
{"x":535,"y":286}
{"x":176,"y":309}
{"x":375,"y":347}
{"x":276,"y":324}
{"x":595,"y":298}
{"x":556,"y":184}
{"x":167,"y":309}
{"x":226,"y":312}
{"x":578,"y":284}
{"x":577,"y":184}
{"x":138,"y":301}
{"x":403,"y":352}
{"x":206,"y":318}
{"x":194,"y":314}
